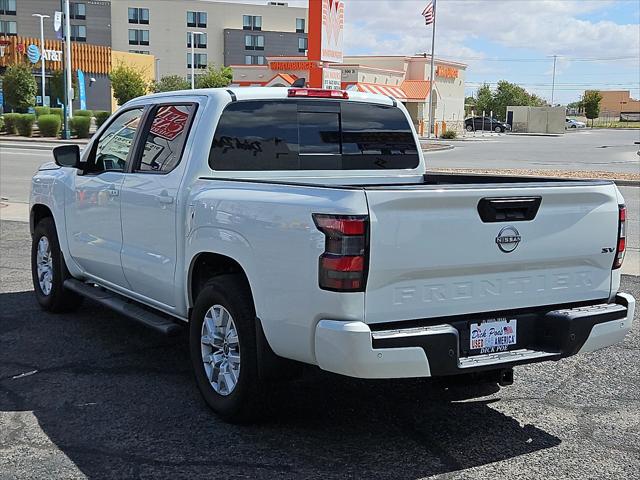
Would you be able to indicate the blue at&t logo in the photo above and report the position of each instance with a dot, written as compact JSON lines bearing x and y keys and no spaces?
{"x":33,"y":53}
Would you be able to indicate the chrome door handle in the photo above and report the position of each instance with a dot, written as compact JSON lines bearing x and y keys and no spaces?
{"x":113,"y":192}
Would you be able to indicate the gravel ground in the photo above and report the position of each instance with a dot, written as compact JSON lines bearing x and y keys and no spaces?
{"x":91,"y":395}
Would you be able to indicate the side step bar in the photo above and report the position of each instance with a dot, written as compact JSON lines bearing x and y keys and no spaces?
{"x":124,"y":306}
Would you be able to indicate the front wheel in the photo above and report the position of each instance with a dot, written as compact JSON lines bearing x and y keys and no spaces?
{"x":498,"y":130}
{"x":222,"y":343}
{"x":49,"y":271}
{"x":469,"y":128}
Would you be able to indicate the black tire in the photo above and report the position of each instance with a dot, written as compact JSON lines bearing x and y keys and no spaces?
{"x":498,"y":129}
{"x":245,"y":403}
{"x":469,"y":128}
{"x":59,"y":299}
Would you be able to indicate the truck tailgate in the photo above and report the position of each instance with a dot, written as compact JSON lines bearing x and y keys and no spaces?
{"x":432,"y":255}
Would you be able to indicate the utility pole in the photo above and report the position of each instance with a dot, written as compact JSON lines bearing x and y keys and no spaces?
{"x":67,"y":56}
{"x":193,"y":58}
{"x":42,"y":17}
{"x":553,"y":81}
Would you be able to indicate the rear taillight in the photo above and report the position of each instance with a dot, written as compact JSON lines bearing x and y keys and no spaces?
{"x":622,"y":236}
{"x":343,"y":265}
{"x":317,"y":93}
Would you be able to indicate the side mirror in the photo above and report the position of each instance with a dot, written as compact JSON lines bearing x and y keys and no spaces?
{"x":67,"y":156}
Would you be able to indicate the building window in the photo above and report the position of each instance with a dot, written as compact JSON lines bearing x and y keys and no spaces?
{"x":139,"y":15}
{"x":138,"y":37}
{"x":78,"y":33}
{"x":302,"y":44}
{"x":200,"y":60}
{"x":141,"y":52}
{"x":77,"y":11}
{"x":197,"y":19}
{"x":254,"y":42}
{"x":251,"y":22}
{"x":299,"y":25}
{"x":8,"y":7}
{"x":254,"y":60}
{"x":200,"y":40}
{"x":8,"y":28}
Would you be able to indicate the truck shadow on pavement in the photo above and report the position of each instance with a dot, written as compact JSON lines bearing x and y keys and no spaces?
{"x":119,"y":402}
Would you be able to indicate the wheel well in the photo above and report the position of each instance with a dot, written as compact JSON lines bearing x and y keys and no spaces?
{"x":38,"y":212}
{"x":208,"y":265}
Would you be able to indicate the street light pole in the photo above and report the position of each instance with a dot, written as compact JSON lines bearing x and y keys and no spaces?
{"x":67,"y":56}
{"x":193,"y":58}
{"x":553,"y":82}
{"x":42,"y":17}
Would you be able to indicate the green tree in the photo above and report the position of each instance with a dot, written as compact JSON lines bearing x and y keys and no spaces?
{"x":20,"y":87}
{"x":484,"y":100}
{"x":214,"y":77}
{"x":56,"y":86}
{"x":505,"y":94}
{"x":170,"y":83}
{"x":591,"y":104}
{"x":127,"y":83}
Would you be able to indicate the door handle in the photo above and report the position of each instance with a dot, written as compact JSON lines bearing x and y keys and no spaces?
{"x":114,"y":192}
{"x":165,"y":199}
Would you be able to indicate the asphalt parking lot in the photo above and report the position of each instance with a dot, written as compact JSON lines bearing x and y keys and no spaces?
{"x":91,"y":395}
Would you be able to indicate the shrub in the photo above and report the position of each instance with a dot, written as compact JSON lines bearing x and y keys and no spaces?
{"x":80,"y":126}
{"x":49,"y":125}
{"x":11,"y":122}
{"x":24,"y":124}
{"x":1,"y":123}
{"x":449,"y":134}
{"x":83,"y":113}
{"x":56,"y":111}
{"x":20,"y":87}
{"x":42,"y":111}
{"x":127,"y":83}
{"x":101,"y":117}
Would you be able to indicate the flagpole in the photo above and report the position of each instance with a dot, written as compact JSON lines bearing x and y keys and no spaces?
{"x":431,"y":80}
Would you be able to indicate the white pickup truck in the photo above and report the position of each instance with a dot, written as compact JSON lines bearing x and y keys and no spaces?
{"x":301,"y":224}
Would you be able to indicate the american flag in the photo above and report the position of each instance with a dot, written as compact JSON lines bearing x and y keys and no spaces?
{"x":429,"y":14}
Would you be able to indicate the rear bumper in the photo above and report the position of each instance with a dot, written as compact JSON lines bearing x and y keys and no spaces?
{"x":352,"y":349}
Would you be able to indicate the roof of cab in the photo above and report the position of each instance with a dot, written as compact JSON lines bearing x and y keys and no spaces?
{"x":258,"y":93}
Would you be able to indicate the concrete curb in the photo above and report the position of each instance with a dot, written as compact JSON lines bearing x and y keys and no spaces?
{"x":41,"y":140}
{"x":438,"y":148}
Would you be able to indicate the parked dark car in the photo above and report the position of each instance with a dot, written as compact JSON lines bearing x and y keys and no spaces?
{"x":485,"y":123}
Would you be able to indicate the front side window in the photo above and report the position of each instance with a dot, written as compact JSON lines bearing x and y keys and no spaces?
{"x":111,"y":151}
{"x":164,"y":142}
{"x":312,"y":135}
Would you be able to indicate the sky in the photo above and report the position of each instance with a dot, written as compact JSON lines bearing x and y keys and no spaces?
{"x":597,"y":41}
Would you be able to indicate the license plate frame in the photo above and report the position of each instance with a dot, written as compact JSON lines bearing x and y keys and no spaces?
{"x":493,"y":335}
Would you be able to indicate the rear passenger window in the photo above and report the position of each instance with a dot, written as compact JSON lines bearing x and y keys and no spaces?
{"x":312,"y":135}
{"x":164,"y":141}
{"x":256,"y":136}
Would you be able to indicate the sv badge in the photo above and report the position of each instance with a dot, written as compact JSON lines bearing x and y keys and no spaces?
{"x":607,"y":250}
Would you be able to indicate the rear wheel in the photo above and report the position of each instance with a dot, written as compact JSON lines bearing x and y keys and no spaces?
{"x":49,"y":271}
{"x":222,"y":342}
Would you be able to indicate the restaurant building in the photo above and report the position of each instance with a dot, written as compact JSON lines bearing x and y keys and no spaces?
{"x":405,"y":78}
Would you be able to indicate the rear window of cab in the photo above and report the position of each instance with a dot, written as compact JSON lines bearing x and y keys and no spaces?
{"x":312,"y":135}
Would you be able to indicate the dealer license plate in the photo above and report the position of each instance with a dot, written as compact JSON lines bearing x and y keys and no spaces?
{"x":494,"y":335}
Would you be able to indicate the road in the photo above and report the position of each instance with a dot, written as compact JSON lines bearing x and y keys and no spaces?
{"x":591,"y":150}
{"x":92,"y":395}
